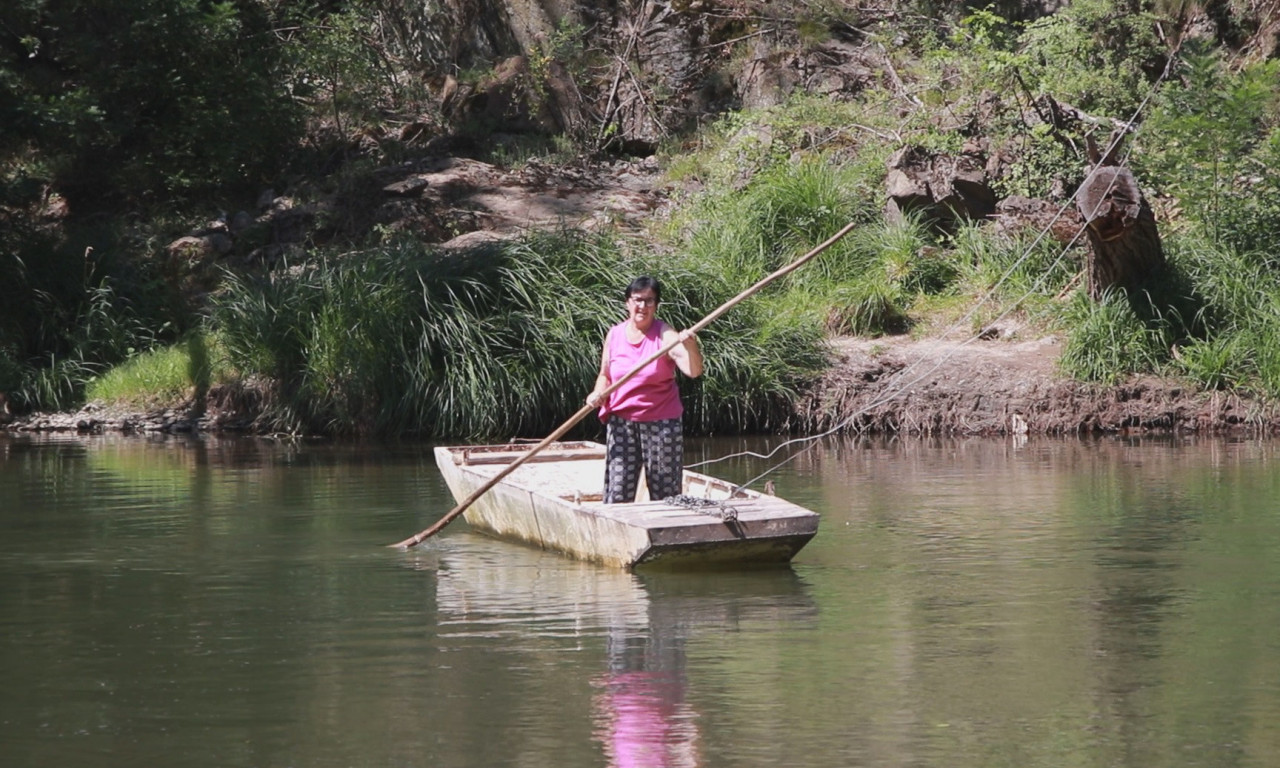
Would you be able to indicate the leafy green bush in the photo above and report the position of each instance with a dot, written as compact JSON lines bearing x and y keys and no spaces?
{"x":1094,"y":54}
{"x":1211,"y":142}
{"x":1100,"y":56}
{"x":342,"y":71}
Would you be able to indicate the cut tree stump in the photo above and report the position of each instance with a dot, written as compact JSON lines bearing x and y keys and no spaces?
{"x":1122,"y":232}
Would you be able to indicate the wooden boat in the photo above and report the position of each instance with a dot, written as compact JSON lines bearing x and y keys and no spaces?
{"x":554,"y":501}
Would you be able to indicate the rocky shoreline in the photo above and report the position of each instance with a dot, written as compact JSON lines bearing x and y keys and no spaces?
{"x":881,"y":386}
{"x":97,"y":418}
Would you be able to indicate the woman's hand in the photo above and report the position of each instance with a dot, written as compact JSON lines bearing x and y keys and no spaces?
{"x":686,"y":354}
{"x":593,"y":399}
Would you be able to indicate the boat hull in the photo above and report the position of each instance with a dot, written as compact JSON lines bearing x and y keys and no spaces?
{"x":553,"y":501}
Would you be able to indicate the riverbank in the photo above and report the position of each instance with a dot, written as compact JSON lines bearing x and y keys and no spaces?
{"x":994,"y":387}
{"x":886,"y":385}
{"x":402,"y":239}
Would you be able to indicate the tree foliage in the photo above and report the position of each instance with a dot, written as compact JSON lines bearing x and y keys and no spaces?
{"x":139,"y":101}
{"x":1212,"y":143}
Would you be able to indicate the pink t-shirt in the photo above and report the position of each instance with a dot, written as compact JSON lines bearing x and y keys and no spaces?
{"x":651,"y":394}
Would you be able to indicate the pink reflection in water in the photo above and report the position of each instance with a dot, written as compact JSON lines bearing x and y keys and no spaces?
{"x":644,"y":721}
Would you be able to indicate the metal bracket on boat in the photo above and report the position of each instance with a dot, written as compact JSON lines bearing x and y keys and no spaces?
{"x":703,"y":506}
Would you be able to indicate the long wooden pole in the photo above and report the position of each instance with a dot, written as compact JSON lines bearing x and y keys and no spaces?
{"x":452,"y":514}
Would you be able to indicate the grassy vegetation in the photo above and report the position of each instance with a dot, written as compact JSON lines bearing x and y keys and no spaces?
{"x":162,"y":375}
{"x":498,"y":341}
{"x":1214,"y":322}
{"x":503,"y":339}
{"x":83,"y":333}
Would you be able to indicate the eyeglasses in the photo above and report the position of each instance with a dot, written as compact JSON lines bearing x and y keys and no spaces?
{"x":643,"y":302}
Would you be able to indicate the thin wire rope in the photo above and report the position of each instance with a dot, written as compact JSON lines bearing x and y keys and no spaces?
{"x":899,"y":387}
{"x":1035,"y":287}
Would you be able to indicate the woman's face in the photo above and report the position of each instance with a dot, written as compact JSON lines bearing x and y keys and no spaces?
{"x":641,"y":307}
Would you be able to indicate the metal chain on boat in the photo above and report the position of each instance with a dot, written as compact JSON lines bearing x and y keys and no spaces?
{"x":703,"y":506}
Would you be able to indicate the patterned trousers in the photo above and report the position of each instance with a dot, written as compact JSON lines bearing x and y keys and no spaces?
{"x":657,"y":446}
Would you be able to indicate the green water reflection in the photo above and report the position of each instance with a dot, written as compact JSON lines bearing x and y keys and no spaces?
{"x":228,"y":602}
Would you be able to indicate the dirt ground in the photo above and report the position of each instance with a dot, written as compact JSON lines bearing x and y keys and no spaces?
{"x":994,"y":387}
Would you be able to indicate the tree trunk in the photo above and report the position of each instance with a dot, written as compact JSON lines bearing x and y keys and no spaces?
{"x":1122,"y":231}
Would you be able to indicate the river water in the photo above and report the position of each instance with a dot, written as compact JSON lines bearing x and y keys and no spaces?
{"x":228,"y":602}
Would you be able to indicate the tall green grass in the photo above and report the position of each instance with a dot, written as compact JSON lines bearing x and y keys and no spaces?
{"x":1215,"y":321}
{"x":86,"y":336}
{"x":69,"y":311}
{"x":503,"y":340}
{"x":1231,"y":341}
{"x":1110,"y":340}
{"x":759,"y":356}
{"x":495,"y":342}
{"x":864,"y":283}
{"x":1014,"y":265}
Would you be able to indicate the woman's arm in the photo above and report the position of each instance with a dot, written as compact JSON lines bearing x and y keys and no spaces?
{"x":687,"y":354}
{"x":602,"y":379}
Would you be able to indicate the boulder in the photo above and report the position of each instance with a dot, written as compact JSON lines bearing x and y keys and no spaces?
{"x":943,"y":189}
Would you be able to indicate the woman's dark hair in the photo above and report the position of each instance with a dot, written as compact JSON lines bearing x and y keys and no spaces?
{"x":642,"y":284}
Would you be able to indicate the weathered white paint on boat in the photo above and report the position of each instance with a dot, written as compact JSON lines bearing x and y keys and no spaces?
{"x":553,"y":501}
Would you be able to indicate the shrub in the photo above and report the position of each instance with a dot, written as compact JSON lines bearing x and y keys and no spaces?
{"x":143,"y":101}
{"x":1212,"y":143}
{"x":1094,"y":54}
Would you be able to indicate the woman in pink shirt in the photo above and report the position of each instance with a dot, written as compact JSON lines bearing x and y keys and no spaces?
{"x":642,"y":417}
